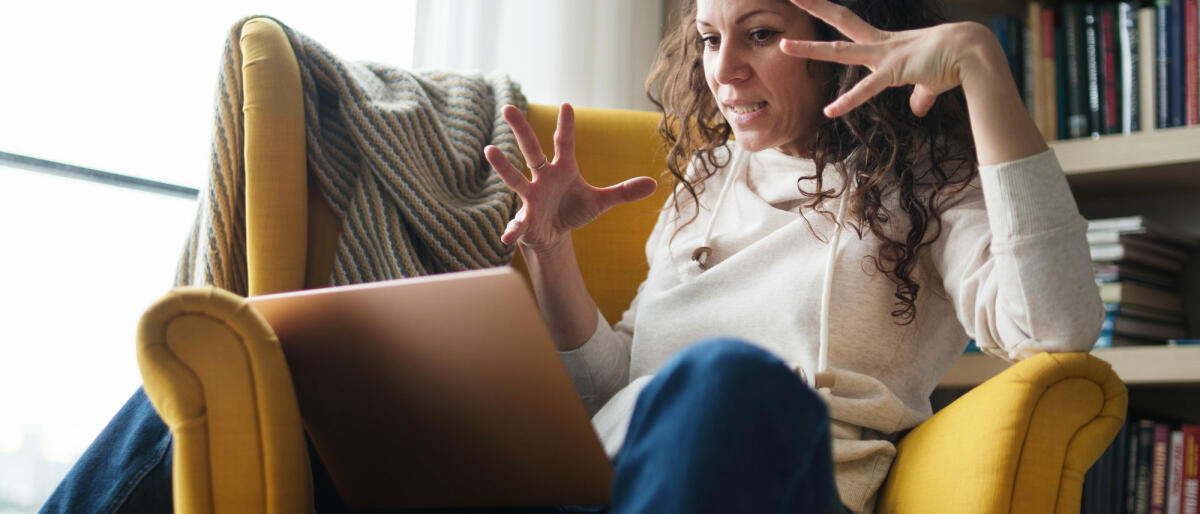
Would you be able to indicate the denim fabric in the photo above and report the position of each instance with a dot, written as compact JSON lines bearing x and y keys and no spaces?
{"x":126,"y":469}
{"x":725,"y":427}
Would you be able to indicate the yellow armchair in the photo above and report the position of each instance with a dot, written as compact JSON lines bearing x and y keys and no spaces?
{"x":1019,"y":443}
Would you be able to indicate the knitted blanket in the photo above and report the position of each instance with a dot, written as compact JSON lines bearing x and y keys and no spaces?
{"x":398,"y":155}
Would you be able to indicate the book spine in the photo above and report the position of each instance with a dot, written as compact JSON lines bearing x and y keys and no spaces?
{"x":1190,"y":500}
{"x":1061,"y":93}
{"x":1028,"y":57}
{"x":1191,"y":65}
{"x":1162,"y":77}
{"x":1076,"y":70}
{"x":1093,"y":48}
{"x":1109,"y":74}
{"x":1158,"y":469}
{"x":1175,"y":473}
{"x":1049,"y":98}
{"x":1127,"y":31}
{"x":1178,"y":84}
{"x":1144,"y":463}
{"x":1147,"y":66}
{"x":1033,"y":59}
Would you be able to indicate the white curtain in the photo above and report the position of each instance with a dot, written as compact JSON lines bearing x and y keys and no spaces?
{"x":591,"y":53}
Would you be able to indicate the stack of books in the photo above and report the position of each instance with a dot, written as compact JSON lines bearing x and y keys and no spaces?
{"x":1150,"y":467}
{"x":1089,"y":68}
{"x":1138,"y":265}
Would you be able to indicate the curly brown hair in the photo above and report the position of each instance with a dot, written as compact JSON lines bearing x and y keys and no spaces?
{"x":881,"y":145}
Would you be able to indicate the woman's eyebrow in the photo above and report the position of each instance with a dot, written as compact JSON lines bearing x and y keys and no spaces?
{"x":743,"y":17}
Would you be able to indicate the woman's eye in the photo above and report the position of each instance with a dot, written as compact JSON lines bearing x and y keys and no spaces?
{"x":710,"y":41}
{"x":763,"y":37}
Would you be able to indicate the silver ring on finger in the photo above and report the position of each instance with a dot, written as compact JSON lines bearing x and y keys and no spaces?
{"x":540,"y":166}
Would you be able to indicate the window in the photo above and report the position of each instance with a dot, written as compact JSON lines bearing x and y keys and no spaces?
{"x":127,"y":89}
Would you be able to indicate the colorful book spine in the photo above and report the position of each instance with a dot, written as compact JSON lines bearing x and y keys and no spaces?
{"x":1130,"y":86}
{"x":1109,"y":62}
{"x":1176,"y":65}
{"x":1191,"y":46}
{"x":1049,"y":99}
{"x":1175,"y":473}
{"x":1162,"y":76}
{"x":1158,"y":469}
{"x":1076,"y":70}
{"x":1093,"y":48}
{"x":1147,"y":66}
{"x":1190,"y":501}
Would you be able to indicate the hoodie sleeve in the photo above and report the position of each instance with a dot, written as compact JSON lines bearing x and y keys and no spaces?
{"x":600,"y":367}
{"x":1015,"y":262}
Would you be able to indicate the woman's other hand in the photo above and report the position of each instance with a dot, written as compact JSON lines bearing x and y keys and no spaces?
{"x":556,"y":198}
{"x":933,"y":59}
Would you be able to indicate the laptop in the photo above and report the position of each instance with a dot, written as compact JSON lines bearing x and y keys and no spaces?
{"x":439,"y":391}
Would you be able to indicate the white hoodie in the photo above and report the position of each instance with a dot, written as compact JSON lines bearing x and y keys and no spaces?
{"x":1010,"y":269}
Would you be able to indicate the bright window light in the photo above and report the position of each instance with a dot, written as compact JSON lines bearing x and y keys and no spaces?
{"x":123,"y":87}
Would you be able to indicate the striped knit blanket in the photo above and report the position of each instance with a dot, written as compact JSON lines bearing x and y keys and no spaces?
{"x":398,"y":155}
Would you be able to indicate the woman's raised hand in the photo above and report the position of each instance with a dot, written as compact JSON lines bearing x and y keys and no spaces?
{"x":934,"y":59}
{"x":556,"y":198}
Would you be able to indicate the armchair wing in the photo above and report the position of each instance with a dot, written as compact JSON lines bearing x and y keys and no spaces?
{"x":1019,"y":443}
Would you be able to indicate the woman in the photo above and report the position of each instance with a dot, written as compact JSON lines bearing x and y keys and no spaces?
{"x":846,"y":192}
{"x":854,"y":186}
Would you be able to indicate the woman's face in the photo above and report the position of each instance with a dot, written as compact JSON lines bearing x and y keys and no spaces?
{"x":769,"y":98}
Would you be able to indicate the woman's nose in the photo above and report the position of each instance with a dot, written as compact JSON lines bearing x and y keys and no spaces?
{"x":731,"y":66}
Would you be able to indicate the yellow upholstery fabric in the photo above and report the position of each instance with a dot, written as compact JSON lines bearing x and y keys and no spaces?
{"x":214,"y":371}
{"x":1018,"y":443}
{"x":277,"y":194}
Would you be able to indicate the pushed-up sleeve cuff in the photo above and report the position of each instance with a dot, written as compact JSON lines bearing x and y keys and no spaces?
{"x":1027,"y":196}
{"x":599,"y":366}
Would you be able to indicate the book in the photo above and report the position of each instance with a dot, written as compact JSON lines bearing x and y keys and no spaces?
{"x":1115,"y":501}
{"x":1126,"y":310}
{"x":1136,"y":255}
{"x":1191,"y":52}
{"x":1190,"y":495}
{"x":1143,"y":225}
{"x":1162,"y":78}
{"x":1116,"y":272}
{"x":1108,"y":339}
{"x":1139,"y":328}
{"x":1109,"y":61}
{"x":1130,"y":85}
{"x":1074,"y":65}
{"x":1100,"y":241}
{"x":1158,"y":469}
{"x":1131,"y":462}
{"x":1143,"y":295}
{"x":1036,"y":100}
{"x":1147,"y":66}
{"x":1175,"y":472}
{"x":1093,"y":48}
{"x":1048,"y":101}
{"x":1145,"y":459}
{"x":1175,"y":64}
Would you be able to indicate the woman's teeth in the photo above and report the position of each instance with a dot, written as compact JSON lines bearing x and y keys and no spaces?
{"x":748,"y":108}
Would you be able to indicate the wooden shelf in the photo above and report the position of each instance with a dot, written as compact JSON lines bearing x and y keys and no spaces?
{"x":1164,"y":160}
{"x":1138,"y":365}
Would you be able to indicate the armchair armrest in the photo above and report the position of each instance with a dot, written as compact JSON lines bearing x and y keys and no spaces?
{"x":1018,"y":443}
{"x":214,"y":371}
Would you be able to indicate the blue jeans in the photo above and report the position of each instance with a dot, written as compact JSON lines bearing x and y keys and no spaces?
{"x":724,"y":427}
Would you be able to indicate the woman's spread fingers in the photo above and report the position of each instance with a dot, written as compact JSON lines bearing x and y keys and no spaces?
{"x":866,"y":88}
{"x":527,"y":140}
{"x":922,"y":100}
{"x":515,"y":228}
{"x":842,"y":19}
{"x":512,"y":177}
{"x":843,"y":52}
{"x":564,"y":134}
{"x":630,"y":190}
